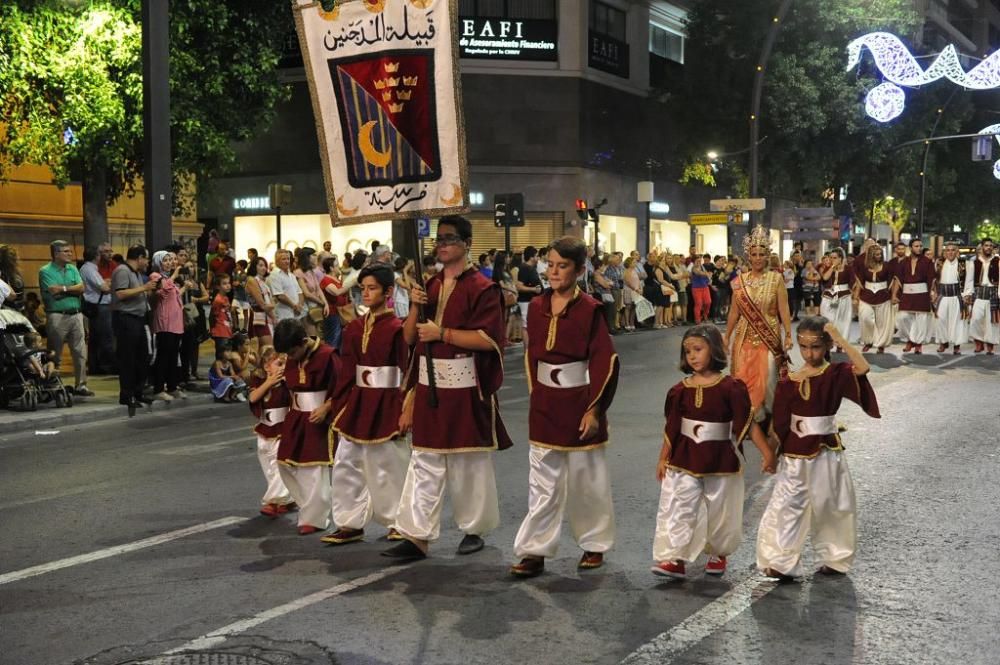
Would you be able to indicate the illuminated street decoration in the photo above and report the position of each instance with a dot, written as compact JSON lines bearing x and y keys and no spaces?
{"x":895,"y":62}
{"x":995,"y":131}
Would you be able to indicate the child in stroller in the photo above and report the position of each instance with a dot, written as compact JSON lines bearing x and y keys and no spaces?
{"x":27,"y":373}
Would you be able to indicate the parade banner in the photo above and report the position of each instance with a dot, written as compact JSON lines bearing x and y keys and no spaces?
{"x":385,"y":87}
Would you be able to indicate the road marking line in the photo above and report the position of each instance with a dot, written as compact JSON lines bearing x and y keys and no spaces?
{"x":515,"y":400}
{"x":952,"y":362}
{"x":25,"y":573}
{"x":665,"y":646}
{"x":220,"y":635}
{"x":203,"y":448}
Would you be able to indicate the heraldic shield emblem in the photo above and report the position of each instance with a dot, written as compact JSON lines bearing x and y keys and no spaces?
{"x":388,"y":117}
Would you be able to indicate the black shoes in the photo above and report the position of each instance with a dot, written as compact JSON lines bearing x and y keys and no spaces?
{"x":404,"y":551}
{"x":471,"y":543}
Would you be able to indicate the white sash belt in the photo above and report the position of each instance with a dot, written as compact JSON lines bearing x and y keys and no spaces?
{"x":308,"y":401}
{"x":450,"y":373}
{"x":838,"y":288}
{"x":699,"y":431}
{"x":273,"y":416}
{"x":260,"y":318}
{"x":378,"y":377}
{"x":875,"y":287}
{"x":915,"y":288}
{"x":567,"y":375}
{"x":813,"y":425}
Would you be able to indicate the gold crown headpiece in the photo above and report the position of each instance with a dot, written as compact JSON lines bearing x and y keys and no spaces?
{"x":759,"y":237}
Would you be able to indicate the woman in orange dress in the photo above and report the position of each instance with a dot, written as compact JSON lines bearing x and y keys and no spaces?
{"x":758,"y":314}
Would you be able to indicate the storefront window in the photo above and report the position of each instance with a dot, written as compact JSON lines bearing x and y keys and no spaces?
{"x":607,"y":20}
{"x":523,"y":9}
{"x":666,"y":43}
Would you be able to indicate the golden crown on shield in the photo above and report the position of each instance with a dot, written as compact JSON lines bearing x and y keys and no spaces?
{"x":759,"y":237}
{"x":392,"y":67}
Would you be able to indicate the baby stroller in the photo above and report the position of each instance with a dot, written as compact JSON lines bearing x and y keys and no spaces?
{"x":17,"y":385}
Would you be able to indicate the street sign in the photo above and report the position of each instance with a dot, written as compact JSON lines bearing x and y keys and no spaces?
{"x":508,"y":210}
{"x":832,"y":234}
{"x":718,"y":205}
{"x":423,"y":227}
{"x":706,"y":218}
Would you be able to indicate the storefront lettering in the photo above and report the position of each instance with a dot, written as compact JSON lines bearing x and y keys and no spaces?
{"x":469,"y":28}
{"x":503,"y":39}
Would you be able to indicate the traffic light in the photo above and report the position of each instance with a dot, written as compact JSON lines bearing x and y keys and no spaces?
{"x":581,"y":209}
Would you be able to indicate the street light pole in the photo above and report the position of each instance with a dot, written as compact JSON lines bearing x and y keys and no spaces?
{"x":156,"y":122}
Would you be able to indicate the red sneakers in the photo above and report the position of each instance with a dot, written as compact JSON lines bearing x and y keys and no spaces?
{"x":669,"y":569}
{"x":269,"y":509}
{"x":716,"y":565}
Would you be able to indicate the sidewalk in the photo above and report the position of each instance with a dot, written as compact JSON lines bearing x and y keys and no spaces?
{"x":104,"y":405}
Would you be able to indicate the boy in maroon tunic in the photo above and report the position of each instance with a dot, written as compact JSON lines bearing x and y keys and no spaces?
{"x":269,"y":401}
{"x":813,"y":491}
{"x":453,"y":443}
{"x":572,"y":372}
{"x":372,"y":453}
{"x":306,"y":450}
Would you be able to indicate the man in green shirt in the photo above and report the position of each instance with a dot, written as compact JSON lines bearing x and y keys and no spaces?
{"x":62,"y":291}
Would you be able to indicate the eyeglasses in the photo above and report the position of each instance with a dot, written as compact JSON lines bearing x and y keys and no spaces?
{"x":449,"y":239}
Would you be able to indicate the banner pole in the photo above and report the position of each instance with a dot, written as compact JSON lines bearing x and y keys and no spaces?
{"x":418,"y":274}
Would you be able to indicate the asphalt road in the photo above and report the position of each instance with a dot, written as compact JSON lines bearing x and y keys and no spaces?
{"x":126,"y":540}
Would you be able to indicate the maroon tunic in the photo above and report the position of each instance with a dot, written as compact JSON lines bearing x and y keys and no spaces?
{"x":863,"y":274}
{"x":275,"y":398}
{"x":466,"y":419}
{"x":921,"y":272}
{"x":302,"y":442}
{"x":366,"y":414}
{"x":818,"y":396}
{"x":727,"y":400}
{"x":578,"y":334}
{"x":840,"y":277}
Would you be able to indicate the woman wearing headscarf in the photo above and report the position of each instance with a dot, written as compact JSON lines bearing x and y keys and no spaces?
{"x":167,"y":326}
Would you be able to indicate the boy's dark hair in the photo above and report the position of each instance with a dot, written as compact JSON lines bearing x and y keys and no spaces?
{"x":716,"y":346}
{"x":134,"y":252}
{"x":429,"y":261}
{"x":382,"y":273}
{"x":529,"y":253}
{"x":217,"y":280}
{"x":242,"y":264}
{"x":463,"y":227}
{"x":400,"y":263}
{"x":915,"y":239}
{"x":482,"y":258}
{"x":707,"y":257}
{"x":571,"y":249}
{"x":236,"y":341}
{"x":359,"y":259}
{"x":288,"y":334}
{"x":816,"y":324}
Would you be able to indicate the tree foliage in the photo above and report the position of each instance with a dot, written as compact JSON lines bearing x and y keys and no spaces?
{"x":817,"y":134}
{"x":71,"y":85}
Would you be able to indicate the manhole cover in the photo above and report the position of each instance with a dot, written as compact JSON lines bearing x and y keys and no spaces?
{"x":205,"y":658}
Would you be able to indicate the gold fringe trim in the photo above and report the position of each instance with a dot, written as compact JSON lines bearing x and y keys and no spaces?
{"x":611,"y":367}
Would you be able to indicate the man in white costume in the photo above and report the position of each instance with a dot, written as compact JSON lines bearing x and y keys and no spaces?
{"x":952,"y":328}
{"x":982,"y":274}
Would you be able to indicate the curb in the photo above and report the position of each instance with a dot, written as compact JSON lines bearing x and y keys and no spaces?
{"x":66,"y":417}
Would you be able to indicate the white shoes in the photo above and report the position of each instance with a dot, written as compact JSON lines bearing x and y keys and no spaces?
{"x":240,"y":397}
{"x":163,"y":396}
{"x":179,"y":394}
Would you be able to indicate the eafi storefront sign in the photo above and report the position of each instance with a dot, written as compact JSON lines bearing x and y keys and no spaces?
{"x":508,"y":39}
{"x":608,"y":54}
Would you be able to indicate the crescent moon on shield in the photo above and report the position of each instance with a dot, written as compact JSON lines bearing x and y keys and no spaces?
{"x":695,"y":430}
{"x":364,"y":377}
{"x":368,"y":151}
{"x":456,"y":197}
{"x":554,"y":375}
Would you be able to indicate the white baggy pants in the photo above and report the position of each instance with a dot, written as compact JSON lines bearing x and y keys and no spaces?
{"x":811,"y":497}
{"x":981,"y":326}
{"x":367,"y":482}
{"x":698,"y":515}
{"x":471,"y":482}
{"x":951,"y":328}
{"x":267,"y":455}
{"x":877,"y":323}
{"x":914,"y":326}
{"x":838,"y":311}
{"x":310,"y":487}
{"x":573,"y":481}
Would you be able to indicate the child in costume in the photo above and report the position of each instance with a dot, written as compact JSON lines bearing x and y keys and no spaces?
{"x":813,"y":492}
{"x":701,"y":475}
{"x":269,"y":402}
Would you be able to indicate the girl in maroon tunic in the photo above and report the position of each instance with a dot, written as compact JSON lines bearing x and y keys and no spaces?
{"x":572,"y":375}
{"x":372,"y":453}
{"x":701,"y":496}
{"x":813,"y":492}
{"x":269,"y":402}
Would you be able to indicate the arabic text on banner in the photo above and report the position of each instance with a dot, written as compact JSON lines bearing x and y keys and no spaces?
{"x":387,"y":101}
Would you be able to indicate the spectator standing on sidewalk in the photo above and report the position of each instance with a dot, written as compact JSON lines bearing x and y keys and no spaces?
{"x":528,"y":284}
{"x":62,"y":290}
{"x":131,"y":303}
{"x":10,"y":274}
{"x":288,"y":297}
{"x":97,"y":308}
{"x":167,"y":326}
{"x":312,"y":294}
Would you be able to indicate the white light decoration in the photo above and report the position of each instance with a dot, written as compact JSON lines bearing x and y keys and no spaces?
{"x":895,"y":62}
{"x":994,"y":130}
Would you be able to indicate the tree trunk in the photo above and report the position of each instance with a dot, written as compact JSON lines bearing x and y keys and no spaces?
{"x":95,"y":207}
